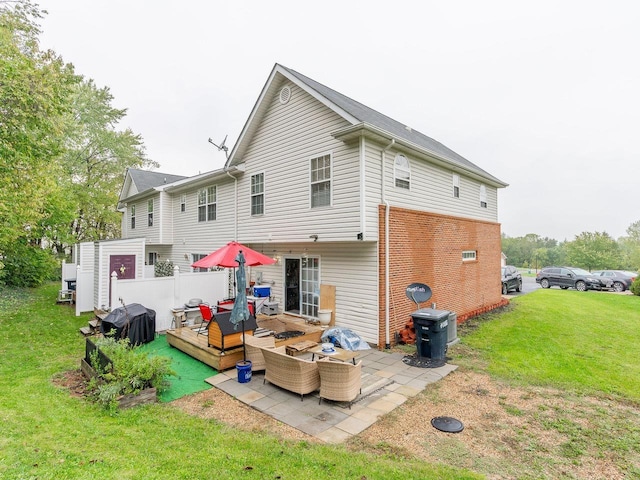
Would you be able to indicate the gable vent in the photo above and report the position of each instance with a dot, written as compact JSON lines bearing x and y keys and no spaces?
{"x":285,"y":95}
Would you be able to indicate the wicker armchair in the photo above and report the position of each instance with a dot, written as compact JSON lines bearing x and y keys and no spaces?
{"x":339,"y":381}
{"x":253,"y":347}
{"x":291,"y":373}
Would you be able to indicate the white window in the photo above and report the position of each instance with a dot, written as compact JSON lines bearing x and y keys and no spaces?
{"x":321,"y":181}
{"x":198,"y":256}
{"x":153,"y":258}
{"x":207,"y":204}
{"x":133,"y":217}
{"x":468,"y":255}
{"x":456,"y":186}
{"x":402,"y":172}
{"x":150,"y":213}
{"x":183,"y":203}
{"x":257,"y":194}
{"x":483,"y":196}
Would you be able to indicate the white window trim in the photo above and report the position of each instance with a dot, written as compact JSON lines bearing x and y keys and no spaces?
{"x":469,"y":255}
{"x":132,"y":222}
{"x":397,"y":169}
{"x":263,"y":194}
{"x":483,"y":196}
{"x":150,"y":207}
{"x":155,"y":256}
{"x":456,"y":185}
{"x":329,"y":180}
{"x":207,"y":202}
{"x":183,"y":203}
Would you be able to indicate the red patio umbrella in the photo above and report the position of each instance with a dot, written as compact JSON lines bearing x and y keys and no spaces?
{"x":226,"y":257}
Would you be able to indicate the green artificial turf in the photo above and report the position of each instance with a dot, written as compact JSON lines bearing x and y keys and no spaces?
{"x":190,"y":373}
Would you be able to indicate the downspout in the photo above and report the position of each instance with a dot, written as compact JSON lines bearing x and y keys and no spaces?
{"x":387,"y":295}
{"x":235,"y":199}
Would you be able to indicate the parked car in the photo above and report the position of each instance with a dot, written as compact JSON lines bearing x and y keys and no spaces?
{"x":570,"y":277}
{"x":621,"y":280}
{"x":511,"y":279}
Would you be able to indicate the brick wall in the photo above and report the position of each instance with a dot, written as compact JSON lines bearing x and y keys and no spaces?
{"x":427,"y":248}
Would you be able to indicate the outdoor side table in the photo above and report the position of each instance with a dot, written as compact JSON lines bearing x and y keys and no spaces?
{"x":339,"y":354}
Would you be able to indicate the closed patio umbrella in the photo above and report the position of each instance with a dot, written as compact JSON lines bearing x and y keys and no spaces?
{"x":240,"y":311}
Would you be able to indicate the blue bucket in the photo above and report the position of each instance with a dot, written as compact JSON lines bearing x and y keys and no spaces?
{"x":244,"y":371}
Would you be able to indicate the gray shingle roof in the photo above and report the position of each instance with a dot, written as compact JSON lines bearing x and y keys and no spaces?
{"x":369,"y":116}
{"x":145,"y":180}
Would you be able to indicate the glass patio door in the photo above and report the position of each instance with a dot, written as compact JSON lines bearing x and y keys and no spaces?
{"x":302,"y":286}
{"x":310,"y":286}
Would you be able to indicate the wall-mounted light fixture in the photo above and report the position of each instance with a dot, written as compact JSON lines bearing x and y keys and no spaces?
{"x":314,"y":237}
{"x":186,"y":256}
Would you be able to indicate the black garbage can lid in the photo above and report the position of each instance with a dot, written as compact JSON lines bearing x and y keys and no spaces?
{"x":447,"y":424}
{"x":430,"y":314}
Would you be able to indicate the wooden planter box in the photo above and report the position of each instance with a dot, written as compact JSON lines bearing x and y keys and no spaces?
{"x":148,"y":395}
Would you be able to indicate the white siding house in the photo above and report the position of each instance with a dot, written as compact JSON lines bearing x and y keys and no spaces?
{"x":321,"y":182}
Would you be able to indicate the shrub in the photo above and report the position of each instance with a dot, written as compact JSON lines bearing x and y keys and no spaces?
{"x":28,"y":266}
{"x":130,"y":372}
{"x":163,"y":268}
{"x":635,"y":286}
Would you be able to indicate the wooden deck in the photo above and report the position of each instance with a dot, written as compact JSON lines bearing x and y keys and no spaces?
{"x":188,"y":341}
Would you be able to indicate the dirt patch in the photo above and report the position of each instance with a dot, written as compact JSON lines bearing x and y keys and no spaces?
{"x":509,"y":432}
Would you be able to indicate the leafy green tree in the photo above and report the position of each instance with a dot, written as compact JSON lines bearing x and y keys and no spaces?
{"x":593,"y":250}
{"x":530,"y":250}
{"x":95,"y":160}
{"x":630,"y":247}
{"x":34,"y":88}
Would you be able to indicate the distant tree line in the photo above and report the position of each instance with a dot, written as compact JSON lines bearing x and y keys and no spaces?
{"x":588,"y":250}
{"x":62,"y":154}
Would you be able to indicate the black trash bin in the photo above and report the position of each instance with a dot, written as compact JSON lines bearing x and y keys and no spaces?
{"x":431,"y":328}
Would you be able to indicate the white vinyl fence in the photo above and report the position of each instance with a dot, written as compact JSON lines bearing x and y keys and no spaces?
{"x":164,"y":293}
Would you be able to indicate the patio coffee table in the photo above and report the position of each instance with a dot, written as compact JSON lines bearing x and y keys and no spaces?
{"x":338,"y":354}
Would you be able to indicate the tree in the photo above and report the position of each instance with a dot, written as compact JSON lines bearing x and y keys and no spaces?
{"x":530,"y":250}
{"x":593,"y":251}
{"x":34,"y":87}
{"x":94,"y":162}
{"x":630,"y":247}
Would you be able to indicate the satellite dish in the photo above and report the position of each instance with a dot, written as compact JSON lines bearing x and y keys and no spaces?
{"x":418,"y":293}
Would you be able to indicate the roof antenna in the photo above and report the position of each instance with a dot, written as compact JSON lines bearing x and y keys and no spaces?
{"x":222,"y":146}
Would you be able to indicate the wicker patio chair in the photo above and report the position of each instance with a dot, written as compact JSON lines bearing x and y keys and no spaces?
{"x":339,"y":381}
{"x":291,"y":373}
{"x":254,"y":346}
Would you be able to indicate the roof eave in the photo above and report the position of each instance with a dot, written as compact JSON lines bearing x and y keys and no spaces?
{"x":379,"y":135}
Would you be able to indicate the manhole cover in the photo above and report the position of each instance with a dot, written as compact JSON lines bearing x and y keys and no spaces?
{"x":447,"y":424}
{"x":423,"y":362}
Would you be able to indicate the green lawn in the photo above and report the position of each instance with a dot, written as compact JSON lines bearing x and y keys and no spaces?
{"x":581,"y":342}
{"x":585,"y":341}
{"x":47,"y":434}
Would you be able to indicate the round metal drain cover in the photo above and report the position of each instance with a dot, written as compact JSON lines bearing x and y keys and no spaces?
{"x":447,"y":424}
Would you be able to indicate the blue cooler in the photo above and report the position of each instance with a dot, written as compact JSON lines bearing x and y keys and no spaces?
{"x":261,"y":291}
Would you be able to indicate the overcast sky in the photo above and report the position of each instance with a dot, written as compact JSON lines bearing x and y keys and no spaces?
{"x":544,"y":95}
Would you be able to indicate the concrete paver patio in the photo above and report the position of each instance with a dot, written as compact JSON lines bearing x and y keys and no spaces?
{"x":387,"y":382}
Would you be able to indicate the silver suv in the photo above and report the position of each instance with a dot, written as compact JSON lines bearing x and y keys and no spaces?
{"x":569,"y":277}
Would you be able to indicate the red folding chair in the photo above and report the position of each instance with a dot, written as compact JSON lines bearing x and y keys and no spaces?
{"x":207,"y":316}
